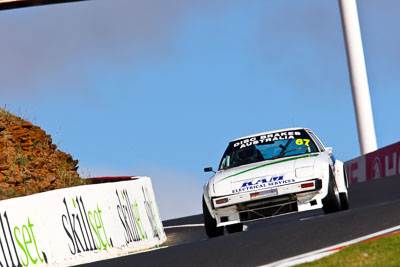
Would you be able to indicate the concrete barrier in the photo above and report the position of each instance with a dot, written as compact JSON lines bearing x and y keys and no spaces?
{"x":383,"y":162}
{"x":80,"y":224}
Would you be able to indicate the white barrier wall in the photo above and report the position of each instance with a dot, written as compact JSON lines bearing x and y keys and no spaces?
{"x":80,"y":224}
{"x":380,"y":163}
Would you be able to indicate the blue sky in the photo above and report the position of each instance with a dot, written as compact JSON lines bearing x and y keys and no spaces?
{"x":158,"y":88}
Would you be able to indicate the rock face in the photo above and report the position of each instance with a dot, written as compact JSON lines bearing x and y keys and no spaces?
{"x":29,"y":161}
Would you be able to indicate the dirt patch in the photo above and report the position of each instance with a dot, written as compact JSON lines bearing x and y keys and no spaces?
{"x":29,"y":161}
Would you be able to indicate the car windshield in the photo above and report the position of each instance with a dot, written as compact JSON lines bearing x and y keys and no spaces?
{"x":267,"y":147}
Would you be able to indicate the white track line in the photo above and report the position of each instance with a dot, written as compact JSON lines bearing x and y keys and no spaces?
{"x":245,"y":227}
{"x":184,"y":225}
{"x":320,"y":253}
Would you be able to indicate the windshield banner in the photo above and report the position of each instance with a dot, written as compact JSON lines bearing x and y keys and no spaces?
{"x":267,"y":138}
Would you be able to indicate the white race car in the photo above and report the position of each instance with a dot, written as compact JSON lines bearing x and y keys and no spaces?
{"x":269,"y":174}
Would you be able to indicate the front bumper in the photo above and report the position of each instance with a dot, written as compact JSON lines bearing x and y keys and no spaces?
{"x":267,"y":202}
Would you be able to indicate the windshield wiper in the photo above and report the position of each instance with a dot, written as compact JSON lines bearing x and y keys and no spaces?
{"x":297,"y":148}
{"x":283,"y":149}
{"x":283,"y":152}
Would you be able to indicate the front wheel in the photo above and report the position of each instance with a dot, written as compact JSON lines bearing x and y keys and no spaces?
{"x":332,"y":200}
{"x":210,"y":223}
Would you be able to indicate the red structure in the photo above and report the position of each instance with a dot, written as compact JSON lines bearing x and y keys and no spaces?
{"x":110,"y":179}
{"x":383,"y":162}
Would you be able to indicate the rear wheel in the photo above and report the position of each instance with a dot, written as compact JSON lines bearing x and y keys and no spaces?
{"x":234,"y":228}
{"x":344,"y":197}
{"x":210,"y":223}
{"x":332,"y":200}
{"x":344,"y":201}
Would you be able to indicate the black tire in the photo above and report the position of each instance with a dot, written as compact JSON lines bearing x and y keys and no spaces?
{"x":344,"y":201}
{"x":210,"y":223}
{"x":331,"y":203}
{"x":344,"y":197}
{"x":234,"y":228}
{"x":346,"y":178}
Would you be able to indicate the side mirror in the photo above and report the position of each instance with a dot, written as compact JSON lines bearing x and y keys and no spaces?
{"x":209,"y":169}
{"x":329,"y":149}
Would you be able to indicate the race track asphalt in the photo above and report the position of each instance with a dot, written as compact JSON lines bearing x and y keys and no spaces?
{"x":374,"y":206}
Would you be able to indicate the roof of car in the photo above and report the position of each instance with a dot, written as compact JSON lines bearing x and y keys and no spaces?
{"x":274,"y":131}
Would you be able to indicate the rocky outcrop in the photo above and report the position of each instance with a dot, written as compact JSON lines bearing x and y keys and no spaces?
{"x":29,"y":161}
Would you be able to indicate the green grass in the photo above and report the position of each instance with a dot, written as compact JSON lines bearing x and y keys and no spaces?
{"x":381,"y":252}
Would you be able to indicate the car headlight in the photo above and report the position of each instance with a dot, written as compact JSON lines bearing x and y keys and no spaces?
{"x":304,"y":172}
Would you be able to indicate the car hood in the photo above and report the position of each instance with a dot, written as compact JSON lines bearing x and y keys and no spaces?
{"x":262,"y":174}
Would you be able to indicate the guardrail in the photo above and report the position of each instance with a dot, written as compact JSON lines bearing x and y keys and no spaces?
{"x":380,"y":163}
{"x":80,"y":224}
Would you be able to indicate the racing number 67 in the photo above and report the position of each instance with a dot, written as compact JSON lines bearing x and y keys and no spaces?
{"x":300,"y":142}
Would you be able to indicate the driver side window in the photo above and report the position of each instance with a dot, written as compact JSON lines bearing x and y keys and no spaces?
{"x":317,"y":142}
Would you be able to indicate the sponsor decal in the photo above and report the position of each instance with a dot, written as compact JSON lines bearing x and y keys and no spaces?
{"x":269,"y":164}
{"x":129,"y":215}
{"x":355,"y":170}
{"x":27,"y":245}
{"x":383,"y":162}
{"x":267,"y":138}
{"x":151,"y":215}
{"x":380,"y":163}
{"x":262,"y":183}
{"x":85,"y":229}
{"x":20,"y":245}
{"x":131,"y":221}
{"x":376,"y":169}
